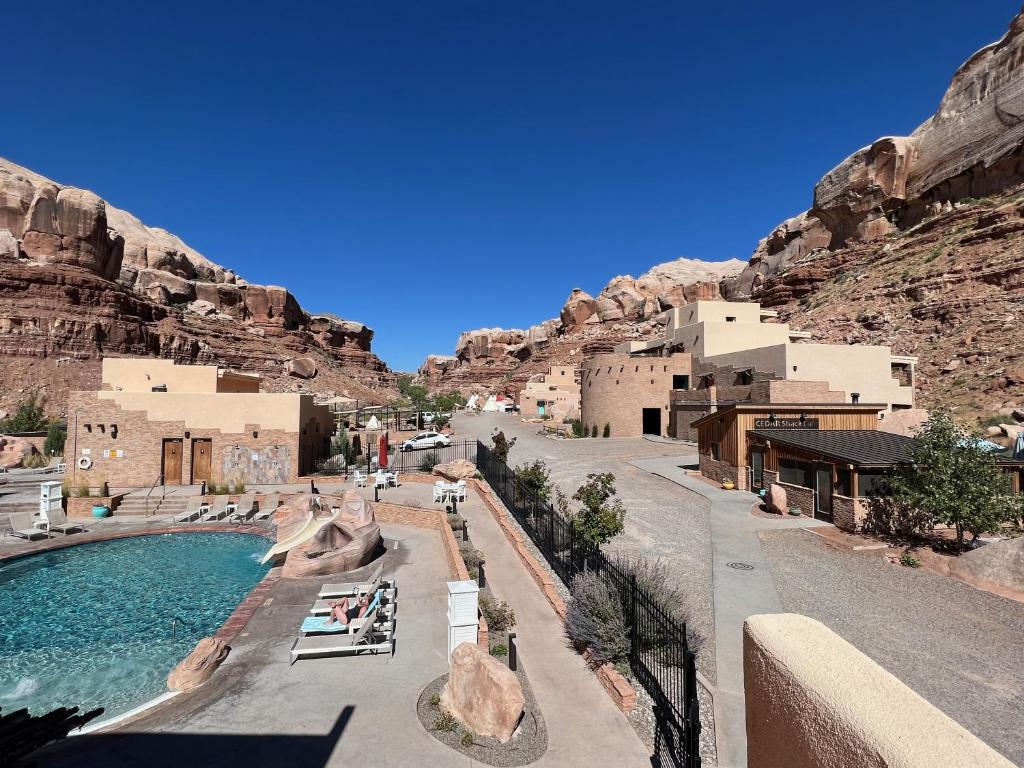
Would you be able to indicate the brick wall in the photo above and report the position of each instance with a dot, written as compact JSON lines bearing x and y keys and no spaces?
{"x":617,"y":387}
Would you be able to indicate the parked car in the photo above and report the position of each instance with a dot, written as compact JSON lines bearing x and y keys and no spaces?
{"x":425,"y":417}
{"x":426,"y":440}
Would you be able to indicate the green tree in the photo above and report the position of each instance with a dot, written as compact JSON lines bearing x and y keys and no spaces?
{"x":953,"y":481}
{"x":56,"y":436}
{"x":501,"y":445}
{"x":531,"y":480}
{"x":403,"y":383}
{"x":447,"y":402}
{"x":601,"y":514}
{"x":27,"y":417}
{"x":418,"y":396}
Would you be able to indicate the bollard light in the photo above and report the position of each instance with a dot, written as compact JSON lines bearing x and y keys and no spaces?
{"x":512,"y":654}
{"x":482,"y":578}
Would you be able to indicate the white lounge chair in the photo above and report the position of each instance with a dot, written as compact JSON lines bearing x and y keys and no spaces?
{"x":317,"y":623}
{"x":355,"y":588}
{"x":193,"y":510}
{"x":217,"y":510}
{"x":244,"y":509}
{"x":267,"y":507}
{"x":323,"y":607}
{"x":57,"y":521}
{"x":23,"y":527}
{"x":353,"y":643}
{"x":359,"y":479}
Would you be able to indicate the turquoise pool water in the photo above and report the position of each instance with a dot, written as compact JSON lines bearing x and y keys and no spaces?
{"x":90,"y":626}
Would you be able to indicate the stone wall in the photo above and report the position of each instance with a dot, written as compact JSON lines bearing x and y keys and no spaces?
{"x":813,"y":700}
{"x":720,"y":471}
{"x":849,"y":513}
{"x":798,"y":496}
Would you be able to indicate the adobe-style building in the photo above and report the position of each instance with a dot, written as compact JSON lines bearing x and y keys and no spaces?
{"x":714,"y":353}
{"x":552,"y":395}
{"x":155,"y":421}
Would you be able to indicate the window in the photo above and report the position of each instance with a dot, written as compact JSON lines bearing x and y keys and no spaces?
{"x":680,"y":381}
{"x":716,"y":451}
{"x":744,"y":377}
{"x":796,"y":473}
{"x":873,"y":482}
{"x":844,"y":481}
{"x":730,"y":319}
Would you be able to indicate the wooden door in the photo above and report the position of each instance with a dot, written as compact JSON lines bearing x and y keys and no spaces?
{"x":172,"y":461}
{"x":202,"y":463}
{"x":823,"y":492}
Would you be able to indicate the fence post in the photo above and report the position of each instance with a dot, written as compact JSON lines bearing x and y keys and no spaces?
{"x":633,"y":615}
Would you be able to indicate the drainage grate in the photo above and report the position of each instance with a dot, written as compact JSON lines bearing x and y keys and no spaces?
{"x":741,"y":566}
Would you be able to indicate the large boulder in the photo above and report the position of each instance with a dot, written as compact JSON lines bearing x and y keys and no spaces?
{"x":344,"y":541}
{"x":460,"y":469}
{"x":301,"y":367}
{"x":14,"y":451}
{"x":199,"y":666}
{"x":997,"y":567}
{"x":777,"y":500}
{"x":482,"y":693}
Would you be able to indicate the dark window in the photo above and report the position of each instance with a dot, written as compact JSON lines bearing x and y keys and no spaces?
{"x":744,"y":377}
{"x":730,"y":319}
{"x":844,"y":482}
{"x":873,"y":482}
{"x":680,"y":381}
{"x":796,"y":473}
{"x":159,"y":388}
{"x":716,"y":451}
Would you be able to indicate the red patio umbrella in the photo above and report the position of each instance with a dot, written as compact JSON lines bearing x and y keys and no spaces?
{"x":382,"y":459}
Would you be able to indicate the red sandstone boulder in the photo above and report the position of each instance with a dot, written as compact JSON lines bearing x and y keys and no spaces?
{"x":344,"y":543}
{"x":482,"y":693}
{"x":301,"y":367}
{"x":776,"y":500}
{"x":14,"y":451}
{"x":460,"y":469}
{"x":199,"y":666}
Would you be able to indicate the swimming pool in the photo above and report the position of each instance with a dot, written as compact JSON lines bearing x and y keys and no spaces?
{"x":91,"y":625}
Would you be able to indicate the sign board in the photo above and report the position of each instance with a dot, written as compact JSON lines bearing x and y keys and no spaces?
{"x":110,"y":453}
{"x":785,"y":423}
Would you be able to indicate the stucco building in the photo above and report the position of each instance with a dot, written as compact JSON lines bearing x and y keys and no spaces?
{"x":153,"y":420}
{"x":630,"y":393}
{"x":552,"y":395}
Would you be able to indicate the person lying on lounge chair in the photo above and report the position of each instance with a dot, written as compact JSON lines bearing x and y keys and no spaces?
{"x":343,"y":613}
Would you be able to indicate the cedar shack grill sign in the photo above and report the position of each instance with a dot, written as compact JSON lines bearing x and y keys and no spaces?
{"x":772,"y":422}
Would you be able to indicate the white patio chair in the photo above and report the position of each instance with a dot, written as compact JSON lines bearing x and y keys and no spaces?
{"x":439,"y":492}
{"x":460,"y":490}
{"x":359,"y":479}
{"x":380,"y":480}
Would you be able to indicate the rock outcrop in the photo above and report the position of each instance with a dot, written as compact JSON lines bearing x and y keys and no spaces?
{"x":15,"y":451}
{"x":482,"y":693}
{"x":460,"y":469}
{"x":80,"y":279}
{"x":199,"y":666}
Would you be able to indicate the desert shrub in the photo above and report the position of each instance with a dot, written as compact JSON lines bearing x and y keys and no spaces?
{"x":607,"y":430}
{"x":500,"y":650}
{"x":909,"y":560}
{"x":531,"y":480}
{"x":654,"y":579}
{"x":467,"y":739}
{"x":82,"y":491}
{"x":499,"y":614}
{"x":578,"y":430}
{"x":455,"y":522}
{"x":441,"y":421}
{"x":601,"y":514}
{"x":501,"y":445}
{"x":56,"y":436}
{"x":238,"y":486}
{"x":593,"y":431}
{"x":594,"y":619}
{"x":445,"y":721}
{"x":34,"y":461}
{"x":28,"y":416}
{"x":435,"y":700}
{"x":470,"y":556}
{"x":428,"y":462}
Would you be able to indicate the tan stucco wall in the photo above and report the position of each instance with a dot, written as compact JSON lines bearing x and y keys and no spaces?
{"x":217,"y":410}
{"x":859,"y":368}
{"x":616,"y":388}
{"x":814,"y":700}
{"x":557,"y":388}
{"x":141,"y":374}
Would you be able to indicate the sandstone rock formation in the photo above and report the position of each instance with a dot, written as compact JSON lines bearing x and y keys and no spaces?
{"x":80,"y":279}
{"x":482,"y":693}
{"x":14,"y":451}
{"x":301,"y":367}
{"x":199,"y":666}
{"x":348,"y":542}
{"x":777,"y":500}
{"x":460,"y":469}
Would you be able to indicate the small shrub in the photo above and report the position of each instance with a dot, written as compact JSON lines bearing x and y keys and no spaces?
{"x":238,"y":487}
{"x":445,"y":721}
{"x":500,"y":650}
{"x":435,"y":700}
{"x":607,"y":430}
{"x":578,"y":430}
{"x":34,"y":461}
{"x":28,"y":416}
{"x":428,"y":462}
{"x":602,"y":515}
{"x":455,"y":522}
{"x":56,"y":435}
{"x":499,"y":614}
{"x":467,"y":739}
{"x":501,"y":445}
{"x":909,"y":560}
{"x":82,"y":491}
{"x":470,"y":556}
{"x":594,"y":619}
{"x":531,"y":480}
{"x":905,"y":276}
{"x":593,"y":431}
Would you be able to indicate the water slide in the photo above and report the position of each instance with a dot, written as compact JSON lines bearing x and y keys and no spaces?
{"x":301,"y":536}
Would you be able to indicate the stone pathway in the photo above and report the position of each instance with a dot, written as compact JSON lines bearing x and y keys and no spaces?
{"x":743,"y":586}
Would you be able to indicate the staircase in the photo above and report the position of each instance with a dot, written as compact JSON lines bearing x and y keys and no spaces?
{"x":135,"y":503}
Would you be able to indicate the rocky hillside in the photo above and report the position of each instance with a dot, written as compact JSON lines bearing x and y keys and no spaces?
{"x":914,"y":241}
{"x":627,"y":308}
{"x":80,"y":279}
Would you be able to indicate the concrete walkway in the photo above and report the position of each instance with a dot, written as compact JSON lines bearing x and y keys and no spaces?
{"x":584,"y":726}
{"x":739,"y":591}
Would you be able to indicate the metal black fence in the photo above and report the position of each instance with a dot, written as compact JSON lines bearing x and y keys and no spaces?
{"x":660,"y":657}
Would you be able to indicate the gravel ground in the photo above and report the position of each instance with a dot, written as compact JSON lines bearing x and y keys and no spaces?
{"x":527,"y":745}
{"x":958,"y":647}
{"x":661,"y":518}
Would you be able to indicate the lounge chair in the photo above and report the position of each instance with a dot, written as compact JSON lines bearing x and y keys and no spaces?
{"x":217,"y":510}
{"x":58,"y":521}
{"x":193,"y":510}
{"x":354,"y":588}
{"x":244,"y":509}
{"x":363,"y":639}
{"x":267,"y":507}
{"x":386,"y":596}
{"x":319,"y":624}
{"x":23,"y":527}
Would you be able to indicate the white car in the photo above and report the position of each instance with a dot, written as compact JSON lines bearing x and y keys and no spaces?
{"x":426,"y":440}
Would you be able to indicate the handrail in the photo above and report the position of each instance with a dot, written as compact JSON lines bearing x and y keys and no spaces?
{"x":163,"y":490}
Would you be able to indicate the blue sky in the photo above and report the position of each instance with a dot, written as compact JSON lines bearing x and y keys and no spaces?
{"x":429,"y":167}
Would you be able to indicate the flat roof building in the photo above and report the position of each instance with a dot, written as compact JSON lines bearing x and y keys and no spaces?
{"x":553,"y":395}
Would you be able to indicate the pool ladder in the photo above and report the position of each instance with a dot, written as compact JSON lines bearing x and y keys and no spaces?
{"x":174,"y":625}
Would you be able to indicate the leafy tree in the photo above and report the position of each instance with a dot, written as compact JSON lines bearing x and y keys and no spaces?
{"x":953,"y":481}
{"x":441,"y":421}
{"x":27,"y":417}
{"x":531,"y":480}
{"x":500,"y":446}
{"x":446,"y":402}
{"x":418,"y":396}
{"x":601,"y":515}
{"x":403,"y":383}
{"x":56,"y":436}
{"x":341,"y":446}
